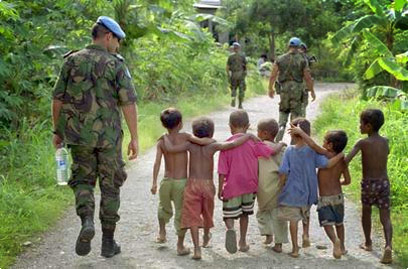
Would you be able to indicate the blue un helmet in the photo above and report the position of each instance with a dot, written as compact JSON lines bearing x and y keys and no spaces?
{"x":294,"y":42}
{"x":112,"y":26}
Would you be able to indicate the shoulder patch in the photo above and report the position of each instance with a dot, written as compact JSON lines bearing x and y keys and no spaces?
{"x":69,"y":53}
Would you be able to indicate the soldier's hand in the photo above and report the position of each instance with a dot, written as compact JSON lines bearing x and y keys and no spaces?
{"x":57,"y":141}
{"x":313,"y":94}
{"x":133,"y":149}
{"x":154,"y":189}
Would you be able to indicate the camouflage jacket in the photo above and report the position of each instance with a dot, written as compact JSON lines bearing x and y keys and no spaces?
{"x":237,"y":62}
{"x":92,"y":86}
{"x":291,"y":66}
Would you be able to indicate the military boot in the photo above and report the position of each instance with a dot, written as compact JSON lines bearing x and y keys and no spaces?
{"x":109,"y":246}
{"x":233,"y":102}
{"x":240,"y":100}
{"x":83,"y":243}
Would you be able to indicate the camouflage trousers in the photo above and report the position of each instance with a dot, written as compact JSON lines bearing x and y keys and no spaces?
{"x":291,"y":96}
{"x":305,"y":102}
{"x":105,"y":164}
{"x":237,"y":80}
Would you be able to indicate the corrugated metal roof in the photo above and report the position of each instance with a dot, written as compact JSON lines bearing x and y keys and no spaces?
{"x":208,"y":4}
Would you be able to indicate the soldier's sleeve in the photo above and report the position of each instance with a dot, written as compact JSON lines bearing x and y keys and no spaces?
{"x":126,"y":90}
{"x":229,"y":61}
{"x":61,"y":84}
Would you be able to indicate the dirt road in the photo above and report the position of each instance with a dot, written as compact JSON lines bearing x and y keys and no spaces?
{"x":138,"y":226}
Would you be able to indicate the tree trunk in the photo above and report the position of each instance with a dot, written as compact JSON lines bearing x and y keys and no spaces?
{"x":272,"y":46}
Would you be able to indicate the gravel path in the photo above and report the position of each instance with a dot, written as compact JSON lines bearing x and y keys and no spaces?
{"x":138,"y":225}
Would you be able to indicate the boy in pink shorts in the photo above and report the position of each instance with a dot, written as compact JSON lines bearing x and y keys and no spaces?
{"x":238,"y":180}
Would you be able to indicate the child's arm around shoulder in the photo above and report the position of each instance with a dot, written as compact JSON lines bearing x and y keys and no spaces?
{"x":354,"y":151}
{"x":308,"y":140}
{"x":233,"y":144}
{"x":156,"y":166}
{"x":199,"y":141}
{"x":333,"y":161}
{"x":168,"y":146}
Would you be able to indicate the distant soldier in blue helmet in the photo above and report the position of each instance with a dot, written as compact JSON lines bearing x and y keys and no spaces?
{"x":236,"y":72}
{"x":290,"y":69}
{"x":93,"y":89}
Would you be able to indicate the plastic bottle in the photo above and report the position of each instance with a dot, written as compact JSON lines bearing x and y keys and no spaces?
{"x":61,"y":158}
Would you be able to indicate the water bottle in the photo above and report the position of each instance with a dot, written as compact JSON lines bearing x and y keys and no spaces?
{"x":61,"y":157}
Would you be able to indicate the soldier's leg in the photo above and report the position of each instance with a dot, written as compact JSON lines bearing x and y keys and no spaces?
{"x":82,"y":182}
{"x":234,"y":85}
{"x":283,"y":120}
{"x":242,"y":88}
{"x":305,"y":101}
{"x":112,"y":175}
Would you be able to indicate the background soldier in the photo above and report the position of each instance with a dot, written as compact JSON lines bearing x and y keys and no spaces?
{"x":93,"y":86}
{"x":236,"y":72}
{"x":290,"y":69}
{"x":310,"y":60}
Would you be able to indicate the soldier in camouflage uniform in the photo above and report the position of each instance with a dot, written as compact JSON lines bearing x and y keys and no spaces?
{"x":236,"y":72}
{"x":93,"y":87}
{"x":310,"y":60}
{"x":290,"y":69}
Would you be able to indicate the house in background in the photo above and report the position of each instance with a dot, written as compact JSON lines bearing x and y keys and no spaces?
{"x":211,"y":7}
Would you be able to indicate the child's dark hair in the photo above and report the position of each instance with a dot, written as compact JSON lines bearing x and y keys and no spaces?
{"x":170,"y":118}
{"x":270,"y":126}
{"x":203,"y":127}
{"x":303,"y":124}
{"x":338,"y":138}
{"x":239,"y":118}
{"x":375,"y":117}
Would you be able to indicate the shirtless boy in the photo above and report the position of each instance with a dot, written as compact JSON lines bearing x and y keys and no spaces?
{"x":198,"y":205}
{"x":375,"y":186}
{"x":175,"y":176}
{"x":330,"y":205}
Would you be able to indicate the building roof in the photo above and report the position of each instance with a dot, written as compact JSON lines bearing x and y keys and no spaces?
{"x":208,"y":4}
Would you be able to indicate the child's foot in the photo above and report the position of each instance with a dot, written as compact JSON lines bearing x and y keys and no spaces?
{"x":182,"y":251}
{"x":306,"y":242}
{"x":294,"y":253}
{"x":387,"y":256}
{"x":277,"y":248}
{"x":343,"y":250}
{"x":161,"y":239}
{"x":366,"y":247}
{"x":243,"y":247}
{"x":206,"y":240}
{"x":231,"y":241}
{"x":268,"y":239}
{"x":337,"y":249}
{"x":197,"y":253}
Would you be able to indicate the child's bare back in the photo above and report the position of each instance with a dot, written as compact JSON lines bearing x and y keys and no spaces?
{"x":175,"y":163}
{"x":329,"y":179}
{"x":374,"y":151}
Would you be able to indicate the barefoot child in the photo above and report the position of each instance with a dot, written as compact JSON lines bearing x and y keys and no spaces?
{"x":375,"y":186}
{"x":238,"y":180}
{"x":269,"y":189}
{"x":175,"y":176}
{"x":198,"y":204}
{"x":330,"y":206}
{"x":299,"y":180}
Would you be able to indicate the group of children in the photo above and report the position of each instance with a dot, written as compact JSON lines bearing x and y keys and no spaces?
{"x":282,"y":179}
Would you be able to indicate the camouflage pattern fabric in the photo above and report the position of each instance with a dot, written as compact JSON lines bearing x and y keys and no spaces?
{"x":237,"y":65}
{"x":291,"y":66}
{"x":106,"y":164}
{"x":92,"y":85}
{"x":305,"y":98}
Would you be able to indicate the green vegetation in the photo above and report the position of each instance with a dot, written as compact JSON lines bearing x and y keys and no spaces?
{"x":342,"y":112}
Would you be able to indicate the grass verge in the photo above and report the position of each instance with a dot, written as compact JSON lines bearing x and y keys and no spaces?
{"x":341,"y":111}
{"x":30,"y":202}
